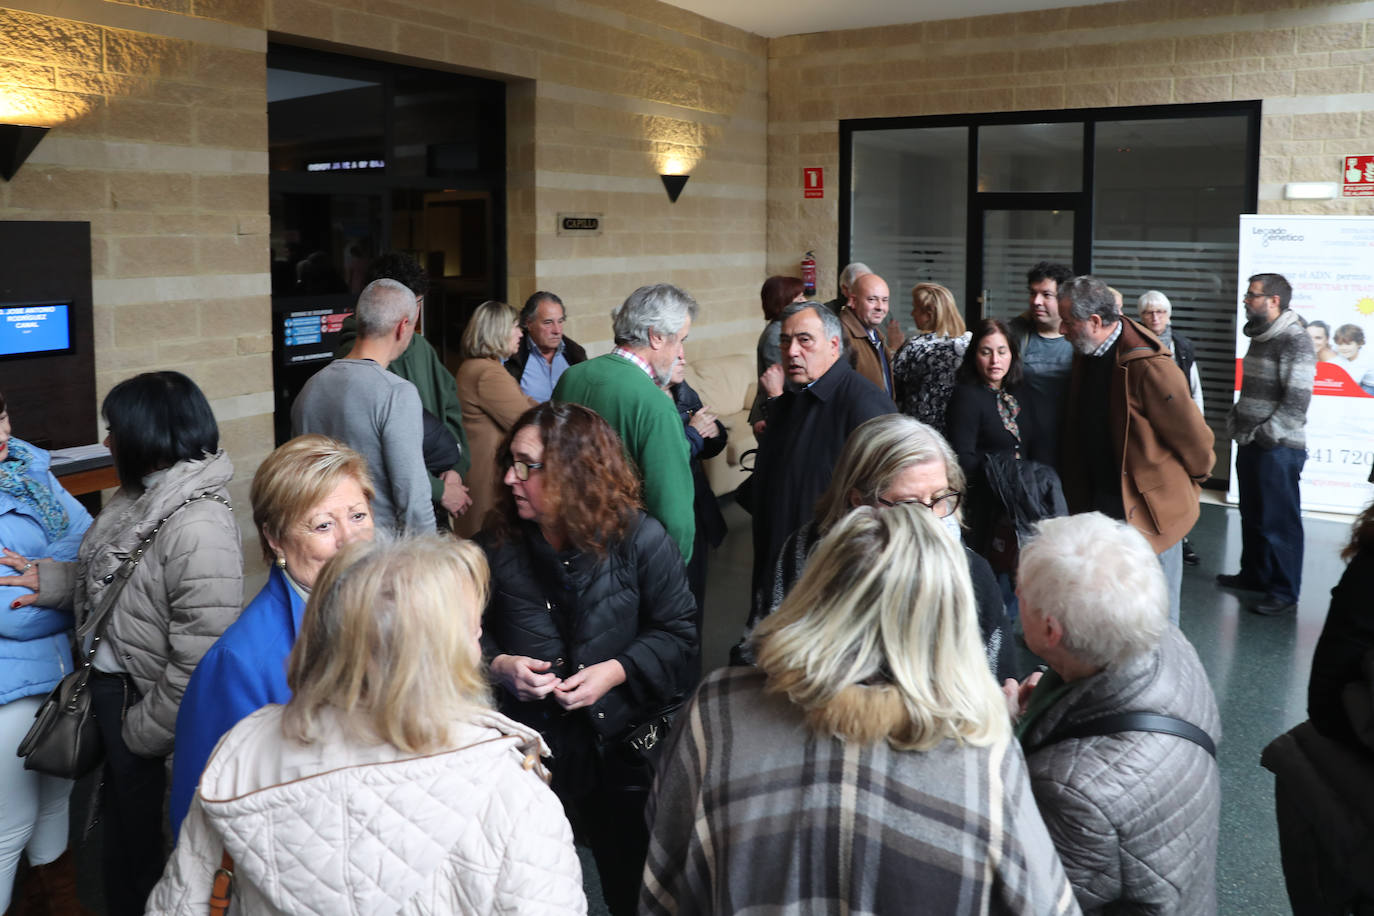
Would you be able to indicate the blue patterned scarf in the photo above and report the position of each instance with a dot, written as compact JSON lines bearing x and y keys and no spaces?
{"x":34,"y":495}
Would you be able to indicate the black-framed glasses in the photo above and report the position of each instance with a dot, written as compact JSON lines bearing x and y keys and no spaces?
{"x":522,"y":468}
{"x":943,"y":505}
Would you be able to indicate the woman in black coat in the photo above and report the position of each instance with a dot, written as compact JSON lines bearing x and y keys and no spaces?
{"x":986,"y":416}
{"x":589,"y":628}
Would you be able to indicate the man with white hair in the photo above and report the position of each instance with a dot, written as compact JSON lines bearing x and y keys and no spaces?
{"x":355,"y":400}
{"x":625,"y":387}
{"x":852,"y":271}
{"x":1120,"y":734}
{"x":807,"y":427}
{"x":1156,"y":313}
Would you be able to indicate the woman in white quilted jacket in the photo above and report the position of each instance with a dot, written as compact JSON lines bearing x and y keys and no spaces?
{"x":387,"y":784}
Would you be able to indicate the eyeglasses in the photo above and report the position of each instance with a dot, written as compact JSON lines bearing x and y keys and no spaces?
{"x":522,"y":468}
{"x":1250,"y":295}
{"x":943,"y":506}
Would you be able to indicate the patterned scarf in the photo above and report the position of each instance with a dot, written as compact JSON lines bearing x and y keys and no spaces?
{"x":1007,"y":409}
{"x":35,"y":495}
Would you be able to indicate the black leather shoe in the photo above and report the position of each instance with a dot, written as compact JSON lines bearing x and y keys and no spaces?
{"x":1272,"y":606}
{"x":1238,"y":581}
{"x":1190,"y":557}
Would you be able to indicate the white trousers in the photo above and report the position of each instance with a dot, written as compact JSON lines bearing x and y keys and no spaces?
{"x":33,"y":814}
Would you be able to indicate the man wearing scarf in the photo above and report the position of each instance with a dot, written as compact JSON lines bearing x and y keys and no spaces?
{"x":1133,"y":444}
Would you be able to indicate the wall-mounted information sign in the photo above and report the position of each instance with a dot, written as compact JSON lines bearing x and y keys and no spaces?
{"x":311,"y":335}
{"x":586,"y":224}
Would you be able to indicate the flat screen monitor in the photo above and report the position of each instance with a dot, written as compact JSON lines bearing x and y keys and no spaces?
{"x":35,"y":328}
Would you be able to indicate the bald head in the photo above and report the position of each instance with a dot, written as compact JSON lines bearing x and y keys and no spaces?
{"x":868,"y":300}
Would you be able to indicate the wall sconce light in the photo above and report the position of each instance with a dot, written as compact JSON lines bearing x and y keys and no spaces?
{"x":674,"y":185}
{"x":16,"y":142}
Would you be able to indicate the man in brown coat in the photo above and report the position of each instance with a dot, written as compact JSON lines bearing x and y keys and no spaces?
{"x":1134,"y":446}
{"x":862,"y":318}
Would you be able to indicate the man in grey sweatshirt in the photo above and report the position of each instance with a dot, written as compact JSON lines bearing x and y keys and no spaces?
{"x":355,"y":400}
{"x":1269,"y":424}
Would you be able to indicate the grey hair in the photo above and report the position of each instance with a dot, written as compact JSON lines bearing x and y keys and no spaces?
{"x":381,"y":305}
{"x":533,"y":302}
{"x":1156,"y":298}
{"x":874,"y":454}
{"x":661,"y":308}
{"x":829,"y":319}
{"x":1089,"y":296}
{"x":1102,"y":581}
{"x":852,"y":271}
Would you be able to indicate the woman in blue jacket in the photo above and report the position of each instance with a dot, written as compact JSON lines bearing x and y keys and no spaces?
{"x":38,"y":518}
{"x":310,"y":497}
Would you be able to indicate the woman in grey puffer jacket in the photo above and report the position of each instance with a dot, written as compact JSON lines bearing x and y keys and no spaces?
{"x":184,"y":592}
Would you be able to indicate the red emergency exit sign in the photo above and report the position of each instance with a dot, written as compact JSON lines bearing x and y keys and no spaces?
{"x":813,"y":182}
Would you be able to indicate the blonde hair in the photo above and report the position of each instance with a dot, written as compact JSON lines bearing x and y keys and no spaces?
{"x":295,"y":478}
{"x":388,"y":642}
{"x":874,"y":454}
{"x":487,"y":335}
{"x":879,"y":640}
{"x":1101,"y":580}
{"x":948,"y":321}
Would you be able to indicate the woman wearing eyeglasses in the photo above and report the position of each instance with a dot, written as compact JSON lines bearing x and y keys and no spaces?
{"x":589,"y":625}
{"x":889,"y":461}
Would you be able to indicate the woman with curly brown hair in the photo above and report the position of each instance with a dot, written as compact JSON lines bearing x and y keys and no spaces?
{"x":589,"y":626}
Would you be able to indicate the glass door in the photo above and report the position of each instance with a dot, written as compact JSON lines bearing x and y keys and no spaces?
{"x":1013,"y":242}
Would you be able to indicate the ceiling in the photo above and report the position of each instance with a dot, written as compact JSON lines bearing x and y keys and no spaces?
{"x":772,"y":18}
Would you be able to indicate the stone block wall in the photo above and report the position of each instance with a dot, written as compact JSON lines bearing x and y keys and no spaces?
{"x":1310,"y":61}
{"x":159,"y":139}
{"x":601,"y":95}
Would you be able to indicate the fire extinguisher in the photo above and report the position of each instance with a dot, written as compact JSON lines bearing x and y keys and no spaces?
{"x":808,"y":266}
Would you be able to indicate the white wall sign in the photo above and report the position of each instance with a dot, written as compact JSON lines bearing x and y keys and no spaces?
{"x":1329,"y":260}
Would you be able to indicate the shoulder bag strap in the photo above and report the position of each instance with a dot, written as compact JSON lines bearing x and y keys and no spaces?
{"x":95,"y":623}
{"x":1132,"y":722}
{"x":222,"y":888}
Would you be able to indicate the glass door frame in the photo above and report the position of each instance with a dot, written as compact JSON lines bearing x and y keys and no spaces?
{"x":1080,"y":201}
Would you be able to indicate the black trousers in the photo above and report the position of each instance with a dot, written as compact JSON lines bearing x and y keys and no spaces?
{"x":130,"y":803}
{"x":610,"y":819}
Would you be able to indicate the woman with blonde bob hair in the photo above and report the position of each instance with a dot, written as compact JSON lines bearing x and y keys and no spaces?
{"x":923,"y":369}
{"x":870,"y":742}
{"x":888,"y":461}
{"x":492,"y":401}
{"x":388,"y":771}
{"x":310,"y":497}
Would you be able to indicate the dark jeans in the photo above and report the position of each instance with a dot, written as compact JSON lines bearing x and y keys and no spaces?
{"x":130,"y":803}
{"x":1271,"y":518}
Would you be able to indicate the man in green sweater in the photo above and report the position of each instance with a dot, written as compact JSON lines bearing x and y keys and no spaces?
{"x":626,"y":388}
{"x":420,"y":365}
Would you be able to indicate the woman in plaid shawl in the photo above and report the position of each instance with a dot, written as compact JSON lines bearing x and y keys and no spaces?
{"x":867,"y":765}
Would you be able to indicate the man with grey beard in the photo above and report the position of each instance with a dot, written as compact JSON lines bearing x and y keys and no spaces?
{"x":1133,"y":444}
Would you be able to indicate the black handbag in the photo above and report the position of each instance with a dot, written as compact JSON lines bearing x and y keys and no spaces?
{"x":64,"y":739}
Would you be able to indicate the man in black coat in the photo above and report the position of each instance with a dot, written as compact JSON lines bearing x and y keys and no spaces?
{"x":807,"y":426}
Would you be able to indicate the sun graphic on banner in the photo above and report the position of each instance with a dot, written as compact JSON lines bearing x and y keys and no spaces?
{"x":1365,"y":306}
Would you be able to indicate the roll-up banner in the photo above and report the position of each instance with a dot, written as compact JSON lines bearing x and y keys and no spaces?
{"x":1329,"y":260}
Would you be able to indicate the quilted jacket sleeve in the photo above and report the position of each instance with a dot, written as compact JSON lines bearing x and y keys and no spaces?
{"x":1087,"y":840}
{"x":57,"y":584}
{"x":202,"y":576}
{"x":540,"y":872}
{"x":185,"y":884}
{"x":654,"y":662}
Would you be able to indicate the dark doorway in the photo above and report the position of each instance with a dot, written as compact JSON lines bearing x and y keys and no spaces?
{"x":365,"y":158}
